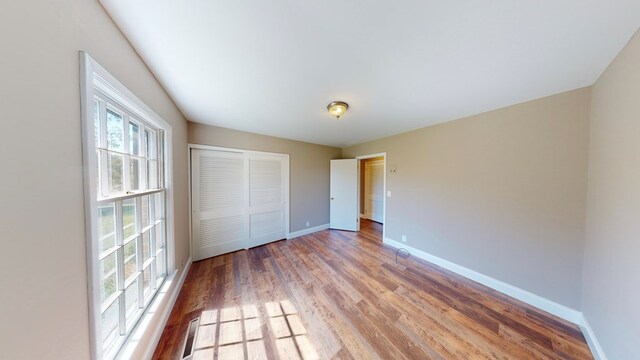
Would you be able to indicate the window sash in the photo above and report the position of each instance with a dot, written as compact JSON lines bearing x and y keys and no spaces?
{"x":143,"y":156}
{"x":157,"y":226}
{"x":156,"y":250}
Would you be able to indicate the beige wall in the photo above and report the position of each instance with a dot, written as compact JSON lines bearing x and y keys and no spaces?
{"x":501,"y":193}
{"x":308,"y":163}
{"x":612,"y":255}
{"x":43,"y":296}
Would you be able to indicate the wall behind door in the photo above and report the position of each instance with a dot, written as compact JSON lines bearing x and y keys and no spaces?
{"x":309,"y":168}
{"x":362,"y":194}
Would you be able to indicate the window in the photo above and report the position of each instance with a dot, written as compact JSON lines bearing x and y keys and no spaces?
{"x":126,"y":197}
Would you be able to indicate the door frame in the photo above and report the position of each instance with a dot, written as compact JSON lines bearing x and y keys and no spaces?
{"x":384,"y":188}
{"x":287,"y":209}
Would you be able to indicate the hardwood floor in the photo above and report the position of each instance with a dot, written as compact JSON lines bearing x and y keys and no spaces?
{"x":339,"y":295}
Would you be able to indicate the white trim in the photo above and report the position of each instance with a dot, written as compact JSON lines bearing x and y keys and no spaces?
{"x":307,"y":231}
{"x":539,"y":302}
{"x":164,"y":314}
{"x":596,"y":350}
{"x":363,"y":216}
{"x":220,"y":148}
{"x":90,"y":209}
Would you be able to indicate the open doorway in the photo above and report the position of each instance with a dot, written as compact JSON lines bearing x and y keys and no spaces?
{"x":372,"y":189}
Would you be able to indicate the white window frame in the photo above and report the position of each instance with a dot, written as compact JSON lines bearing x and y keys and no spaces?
{"x":94,"y":79}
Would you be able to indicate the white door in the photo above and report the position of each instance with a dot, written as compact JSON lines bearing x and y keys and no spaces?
{"x":374,"y":190}
{"x":238,"y":200}
{"x":344,"y":195}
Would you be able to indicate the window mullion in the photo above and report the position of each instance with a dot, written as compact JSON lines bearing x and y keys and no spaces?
{"x":143,"y":141}
{"x":120,"y":266}
{"x":152,"y":251}
{"x":139,"y":259}
{"x":121,"y":297}
{"x":103,"y":123}
{"x":104,"y":173}
{"x":160,"y":157}
{"x":144,"y":184}
{"x":142,"y":174}
{"x":152,"y":209}
{"x":125,"y":161}
{"x":104,"y":157}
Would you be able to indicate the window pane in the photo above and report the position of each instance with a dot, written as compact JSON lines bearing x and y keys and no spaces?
{"x":152,"y":174}
{"x":106,"y":226}
{"x":160,"y":244}
{"x":146,"y":246}
{"x":144,"y":211}
{"x":159,"y":204}
{"x":150,"y":140}
{"x":130,"y":265}
{"x":134,"y":173}
{"x":131,"y":299}
{"x":134,"y":138}
{"x":116,"y":172}
{"x":99,"y":184}
{"x":146,"y":276}
{"x":160,"y":264}
{"x":110,"y":322}
{"x":108,"y":276}
{"x":115,"y":131}
{"x":96,"y":121}
{"x":152,"y":237}
{"x":129,"y":217}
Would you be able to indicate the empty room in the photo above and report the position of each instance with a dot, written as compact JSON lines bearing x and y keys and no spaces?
{"x":218,"y":180}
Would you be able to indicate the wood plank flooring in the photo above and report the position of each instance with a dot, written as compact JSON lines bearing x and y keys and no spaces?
{"x":339,"y":295}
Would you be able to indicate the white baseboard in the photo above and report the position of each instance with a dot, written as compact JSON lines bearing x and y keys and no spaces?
{"x":166,"y":312}
{"x":363,"y":216}
{"x":590,"y":336}
{"x":307,"y":231}
{"x":539,"y":302}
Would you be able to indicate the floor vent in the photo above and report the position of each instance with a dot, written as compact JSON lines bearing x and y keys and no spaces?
{"x":190,"y":338}
{"x":404,"y":251}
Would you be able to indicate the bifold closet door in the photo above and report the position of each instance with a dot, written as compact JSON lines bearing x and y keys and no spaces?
{"x":238,"y":200}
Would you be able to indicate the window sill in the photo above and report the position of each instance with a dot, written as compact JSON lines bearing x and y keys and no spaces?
{"x":142,"y":341}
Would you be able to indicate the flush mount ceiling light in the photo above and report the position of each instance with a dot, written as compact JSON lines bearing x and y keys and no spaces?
{"x":338,"y":108}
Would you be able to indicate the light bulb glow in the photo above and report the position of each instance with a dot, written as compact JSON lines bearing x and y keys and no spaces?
{"x":337,"y":108}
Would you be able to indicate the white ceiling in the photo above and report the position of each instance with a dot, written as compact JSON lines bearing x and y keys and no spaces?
{"x":271,"y":67}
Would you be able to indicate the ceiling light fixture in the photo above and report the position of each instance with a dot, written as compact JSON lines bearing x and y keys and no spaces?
{"x":338,"y":108}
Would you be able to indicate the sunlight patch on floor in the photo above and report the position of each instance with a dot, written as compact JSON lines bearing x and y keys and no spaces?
{"x":230,"y":333}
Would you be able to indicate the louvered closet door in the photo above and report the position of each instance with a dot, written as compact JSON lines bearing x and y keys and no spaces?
{"x":266,"y":198}
{"x":238,"y":200}
{"x":219,"y":202}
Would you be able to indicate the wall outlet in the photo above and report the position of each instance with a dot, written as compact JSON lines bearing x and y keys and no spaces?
{"x":307,"y":224}
{"x":388,"y":193}
{"x":404,"y":238}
